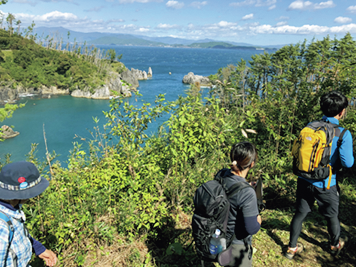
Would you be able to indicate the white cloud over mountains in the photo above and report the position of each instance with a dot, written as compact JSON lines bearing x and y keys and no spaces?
{"x":302,"y":5}
{"x":221,"y":29}
{"x":167,"y":26}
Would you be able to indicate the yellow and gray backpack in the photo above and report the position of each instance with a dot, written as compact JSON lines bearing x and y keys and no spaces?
{"x":311,"y":150}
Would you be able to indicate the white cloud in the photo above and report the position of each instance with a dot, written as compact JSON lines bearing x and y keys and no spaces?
{"x":56,"y":1}
{"x":167,"y":26}
{"x":283,"y":18}
{"x":175,"y":4}
{"x":265,"y":2}
{"x":199,"y":4}
{"x":282,"y":23}
{"x":246,"y":17}
{"x":272,"y":7}
{"x":225,"y":24}
{"x":343,"y":20}
{"x":305,"y":29}
{"x":351,"y":9}
{"x":143,"y":30}
{"x":301,"y":5}
{"x":52,"y":16}
{"x":94,"y":9}
{"x":254,"y":2}
{"x":322,"y":5}
{"x":115,"y":20}
{"x":138,"y":1}
{"x":25,"y":2}
{"x":75,"y":23}
{"x":243,"y":3}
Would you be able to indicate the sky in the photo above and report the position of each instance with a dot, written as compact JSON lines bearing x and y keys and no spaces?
{"x":258,"y":22}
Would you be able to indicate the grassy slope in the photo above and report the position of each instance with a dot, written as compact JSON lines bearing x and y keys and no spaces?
{"x":270,"y":242}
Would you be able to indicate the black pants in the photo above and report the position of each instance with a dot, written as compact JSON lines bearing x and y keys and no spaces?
{"x":328,"y":202}
{"x":241,"y":256}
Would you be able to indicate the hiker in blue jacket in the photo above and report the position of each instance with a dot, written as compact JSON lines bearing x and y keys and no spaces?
{"x":19,"y":181}
{"x":333,"y":106}
{"x":244,"y":219}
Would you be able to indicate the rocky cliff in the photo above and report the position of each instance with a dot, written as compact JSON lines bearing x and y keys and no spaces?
{"x":8,"y":132}
{"x":118,"y":84}
{"x":191,"y":78}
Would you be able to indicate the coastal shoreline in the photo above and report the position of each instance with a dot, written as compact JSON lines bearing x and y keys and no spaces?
{"x":118,"y":85}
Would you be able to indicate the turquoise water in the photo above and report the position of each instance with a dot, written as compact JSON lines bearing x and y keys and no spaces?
{"x":64,"y":117}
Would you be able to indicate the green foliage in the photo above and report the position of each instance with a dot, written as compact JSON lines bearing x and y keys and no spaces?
{"x":139,"y":186}
{"x":23,"y":62}
{"x":6,"y":112}
{"x":282,"y":91}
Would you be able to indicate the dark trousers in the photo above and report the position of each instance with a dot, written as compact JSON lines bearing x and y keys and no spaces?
{"x":241,"y":256}
{"x":328,"y":202}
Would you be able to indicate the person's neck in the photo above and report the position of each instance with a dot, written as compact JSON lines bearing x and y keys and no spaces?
{"x":242,"y":173}
{"x":12,"y":202}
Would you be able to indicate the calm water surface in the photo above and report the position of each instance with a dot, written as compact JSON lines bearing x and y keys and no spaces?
{"x":65,"y":117}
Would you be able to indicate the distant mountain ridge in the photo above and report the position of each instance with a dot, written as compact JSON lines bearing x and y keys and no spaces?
{"x":99,"y":38}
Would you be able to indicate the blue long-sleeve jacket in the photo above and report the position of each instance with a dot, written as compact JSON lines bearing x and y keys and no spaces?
{"x":344,"y":155}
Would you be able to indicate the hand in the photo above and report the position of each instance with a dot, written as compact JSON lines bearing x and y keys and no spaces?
{"x":49,"y":257}
{"x":259,"y":219}
{"x":253,"y":184}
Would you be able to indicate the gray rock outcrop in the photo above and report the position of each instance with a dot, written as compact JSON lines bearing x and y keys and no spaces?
{"x":80,"y":93}
{"x":122,"y":84}
{"x":53,"y":90}
{"x":8,"y":132}
{"x":191,"y":78}
{"x":131,"y":77}
{"x":8,"y":94}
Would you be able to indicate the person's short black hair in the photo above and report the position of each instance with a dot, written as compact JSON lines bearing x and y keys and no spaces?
{"x":333,"y":103}
{"x":243,"y":154}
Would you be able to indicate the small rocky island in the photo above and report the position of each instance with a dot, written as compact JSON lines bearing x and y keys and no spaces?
{"x":118,"y":84}
{"x":191,"y":78}
{"x":8,"y":132}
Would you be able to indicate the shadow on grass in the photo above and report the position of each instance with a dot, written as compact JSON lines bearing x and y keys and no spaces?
{"x":317,"y":230}
{"x":174,"y":247}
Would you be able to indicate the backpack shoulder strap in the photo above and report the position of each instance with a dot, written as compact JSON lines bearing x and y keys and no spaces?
{"x":236,"y":188}
{"x":7,"y":220}
{"x":341,"y":137}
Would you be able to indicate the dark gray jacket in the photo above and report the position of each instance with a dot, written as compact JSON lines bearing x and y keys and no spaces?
{"x":243,"y":210}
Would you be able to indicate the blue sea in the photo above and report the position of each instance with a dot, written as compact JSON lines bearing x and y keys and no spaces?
{"x":66,"y":119}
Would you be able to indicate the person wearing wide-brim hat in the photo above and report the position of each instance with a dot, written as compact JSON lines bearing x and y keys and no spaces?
{"x":19,"y":181}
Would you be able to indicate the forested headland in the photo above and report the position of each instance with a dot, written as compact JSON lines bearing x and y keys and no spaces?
{"x":32,"y":64}
{"x":128,"y":201}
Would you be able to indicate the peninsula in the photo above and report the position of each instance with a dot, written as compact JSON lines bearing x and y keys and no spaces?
{"x":28,"y":67}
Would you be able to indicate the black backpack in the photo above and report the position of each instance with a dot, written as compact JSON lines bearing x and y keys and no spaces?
{"x":212,"y":208}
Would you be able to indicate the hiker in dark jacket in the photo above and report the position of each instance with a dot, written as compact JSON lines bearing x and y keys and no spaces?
{"x":244,"y":219}
{"x":333,"y":105}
